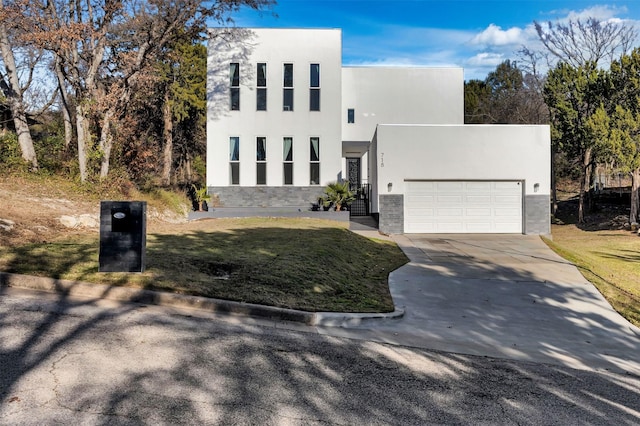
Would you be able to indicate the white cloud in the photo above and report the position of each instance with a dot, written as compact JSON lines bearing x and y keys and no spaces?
{"x":494,"y":35}
{"x":486,"y":59}
{"x":603,"y":13}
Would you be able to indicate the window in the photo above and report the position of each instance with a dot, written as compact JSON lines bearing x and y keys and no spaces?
{"x":287,"y":95}
{"x":314,"y":91}
{"x":287,"y":157}
{"x":262,"y":75}
{"x":261,"y":161}
{"x":261,"y":99}
{"x":234,"y":83}
{"x":351,"y":116}
{"x":261,"y":83}
{"x":234,"y":160}
{"x":288,"y":75}
{"x":314,"y":165}
{"x":315,"y":75}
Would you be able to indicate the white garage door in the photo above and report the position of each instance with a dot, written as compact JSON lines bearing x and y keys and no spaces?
{"x":463,"y":207}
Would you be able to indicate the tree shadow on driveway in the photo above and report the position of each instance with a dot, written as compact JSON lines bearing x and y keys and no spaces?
{"x":508,"y":297}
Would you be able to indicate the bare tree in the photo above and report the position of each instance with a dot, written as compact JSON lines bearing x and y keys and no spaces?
{"x":578,"y":42}
{"x":103,"y":48}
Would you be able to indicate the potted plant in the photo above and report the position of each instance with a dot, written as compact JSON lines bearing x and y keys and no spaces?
{"x":338,"y":194}
{"x":200,"y":195}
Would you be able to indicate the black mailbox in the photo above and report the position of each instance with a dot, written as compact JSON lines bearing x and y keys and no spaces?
{"x":122,"y":236}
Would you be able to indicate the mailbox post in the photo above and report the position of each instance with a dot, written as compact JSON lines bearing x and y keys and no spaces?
{"x":122,"y":236}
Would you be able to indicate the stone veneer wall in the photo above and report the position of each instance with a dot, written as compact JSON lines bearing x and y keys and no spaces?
{"x":391,"y":215}
{"x":266,"y":196}
{"x":537,"y":220}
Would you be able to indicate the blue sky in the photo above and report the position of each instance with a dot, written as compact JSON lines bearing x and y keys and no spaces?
{"x":473,"y":34}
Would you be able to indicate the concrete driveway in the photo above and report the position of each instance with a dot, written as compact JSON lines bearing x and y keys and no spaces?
{"x":505,"y":296}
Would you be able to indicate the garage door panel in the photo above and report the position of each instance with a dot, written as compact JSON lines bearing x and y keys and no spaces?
{"x":512,"y":212}
{"x":417,"y":213}
{"x":507,"y":227}
{"x":484,"y":213}
{"x":450,"y":186}
{"x":477,"y":199}
{"x":445,"y":213}
{"x":449,"y":227}
{"x":449,"y":199}
{"x":507,"y":199}
{"x":463,"y":207}
{"x":478,"y":228}
{"x":421,"y":202}
{"x":511,"y":185}
{"x":426,"y":195}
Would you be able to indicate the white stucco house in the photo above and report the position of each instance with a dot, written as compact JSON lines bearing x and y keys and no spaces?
{"x":285,"y":118}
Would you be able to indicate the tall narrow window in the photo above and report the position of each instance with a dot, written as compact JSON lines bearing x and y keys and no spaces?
{"x":287,"y":83}
{"x":234,"y":83}
{"x":234,"y":160}
{"x":351,"y":116}
{"x":261,"y":161}
{"x":261,"y":91}
{"x":314,"y":161}
{"x":314,"y":90}
{"x":287,"y":157}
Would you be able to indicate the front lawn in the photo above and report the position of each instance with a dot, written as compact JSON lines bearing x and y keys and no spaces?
{"x":305,"y":264}
{"x":609,"y":259}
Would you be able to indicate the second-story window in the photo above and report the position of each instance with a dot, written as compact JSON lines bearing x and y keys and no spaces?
{"x":261,"y":91}
{"x":287,"y":95}
{"x":234,"y":83}
{"x":314,"y":88}
{"x":351,"y":115}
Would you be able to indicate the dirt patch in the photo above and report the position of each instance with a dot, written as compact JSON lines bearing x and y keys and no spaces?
{"x":34,"y":216}
{"x":34,"y":212}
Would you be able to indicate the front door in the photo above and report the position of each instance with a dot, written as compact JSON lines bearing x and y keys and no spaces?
{"x":353,"y":172}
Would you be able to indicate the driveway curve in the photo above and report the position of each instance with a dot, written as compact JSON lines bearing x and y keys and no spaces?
{"x":506,"y":296}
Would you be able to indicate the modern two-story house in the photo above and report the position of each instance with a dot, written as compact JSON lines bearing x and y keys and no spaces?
{"x":285,"y":118}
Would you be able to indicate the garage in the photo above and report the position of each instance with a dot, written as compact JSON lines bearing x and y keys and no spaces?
{"x":463,"y":207}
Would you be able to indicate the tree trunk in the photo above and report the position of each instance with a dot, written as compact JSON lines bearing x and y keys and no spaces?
{"x":591,"y":199}
{"x":168,"y":140}
{"x":187,"y":166}
{"x":13,"y":93}
{"x":584,"y":183}
{"x":554,"y":186}
{"x":68,"y":127}
{"x":635,"y":197}
{"x":106,"y":143}
{"x":23,"y":132}
{"x":82,"y":129}
{"x":66,"y":113}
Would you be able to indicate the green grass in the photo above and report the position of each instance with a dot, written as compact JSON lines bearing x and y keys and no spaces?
{"x":608,"y":259}
{"x":303,"y":264}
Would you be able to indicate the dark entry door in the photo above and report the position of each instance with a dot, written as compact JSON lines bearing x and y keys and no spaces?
{"x":353,"y":168}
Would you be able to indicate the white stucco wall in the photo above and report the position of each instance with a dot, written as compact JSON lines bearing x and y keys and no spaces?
{"x":400,"y":95}
{"x":460,"y":152}
{"x":275,"y":47}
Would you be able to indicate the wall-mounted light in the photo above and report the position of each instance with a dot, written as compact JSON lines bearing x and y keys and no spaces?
{"x":389,"y":187}
{"x":536,"y":187}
